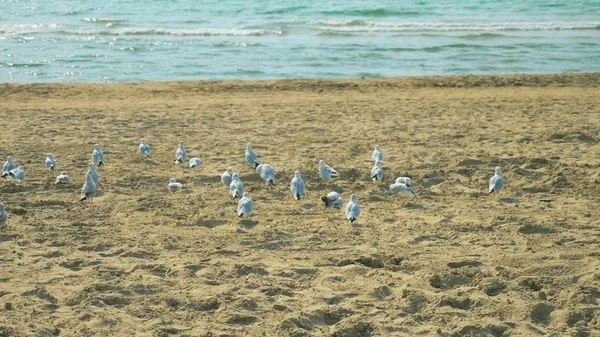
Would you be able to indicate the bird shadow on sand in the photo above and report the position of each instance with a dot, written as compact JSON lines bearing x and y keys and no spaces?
{"x":249,"y":224}
{"x":509,"y":201}
{"x":412,"y":205}
{"x":150,"y":163}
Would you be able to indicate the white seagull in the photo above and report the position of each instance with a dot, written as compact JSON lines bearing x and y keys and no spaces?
{"x":92,"y":171}
{"x":352,"y":209}
{"x":245,"y":205}
{"x":326,"y":172}
{"x":50,"y":162}
{"x":63,"y":178}
{"x":8,"y":166}
{"x":174,"y":186}
{"x":377,"y":172}
{"x":297,"y":186}
{"x":195,"y":162}
{"x":377,"y":154}
{"x":226,"y":176}
{"x":89,"y":189}
{"x":17,"y":174}
{"x":236,"y":188}
{"x":497,"y":181}
{"x":3,"y":217}
{"x":250,"y":156}
{"x":267,"y":172}
{"x":332,"y":200}
{"x":98,"y":156}
{"x":180,"y":154}
{"x":402,"y":185}
{"x":144,"y":148}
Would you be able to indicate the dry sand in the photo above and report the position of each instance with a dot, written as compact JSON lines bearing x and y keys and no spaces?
{"x":140,"y":261}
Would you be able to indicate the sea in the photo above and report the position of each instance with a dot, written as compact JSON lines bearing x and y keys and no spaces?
{"x":167,"y":40}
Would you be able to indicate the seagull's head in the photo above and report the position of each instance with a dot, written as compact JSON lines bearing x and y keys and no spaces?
{"x":322,"y":163}
{"x":181,"y":143}
{"x":353,"y":197}
{"x":498,"y":171}
{"x":9,"y":159}
{"x":377,"y":148}
{"x":246,"y":195}
{"x":248,"y":146}
{"x":92,"y":167}
{"x":50,"y":156}
{"x":235,"y":177}
{"x":172,"y":180}
{"x":143,"y":141}
{"x":1,"y":208}
{"x":297,"y":174}
{"x":97,"y":147}
{"x":230,"y":171}
{"x":63,"y":173}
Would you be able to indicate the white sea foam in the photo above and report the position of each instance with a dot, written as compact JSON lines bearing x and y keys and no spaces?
{"x":369,"y":26}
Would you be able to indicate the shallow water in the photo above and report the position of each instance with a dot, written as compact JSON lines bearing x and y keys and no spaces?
{"x":87,"y":41}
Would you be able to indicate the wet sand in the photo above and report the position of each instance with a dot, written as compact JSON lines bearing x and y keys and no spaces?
{"x":456,"y":261}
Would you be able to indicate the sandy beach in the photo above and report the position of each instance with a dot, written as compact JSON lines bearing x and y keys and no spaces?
{"x":454,"y":262}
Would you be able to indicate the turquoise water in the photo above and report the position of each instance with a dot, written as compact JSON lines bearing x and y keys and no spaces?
{"x":135,"y":40}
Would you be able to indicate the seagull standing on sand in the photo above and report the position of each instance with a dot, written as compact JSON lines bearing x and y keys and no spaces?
{"x":377,"y":172}
{"x":236,"y":188}
{"x":63,"y":178}
{"x":3,"y":217}
{"x":251,"y":157}
{"x":245,"y":205}
{"x":180,"y":154}
{"x":226,"y":177}
{"x":144,"y":148}
{"x":267,"y":172}
{"x":89,"y":189}
{"x":195,"y":162}
{"x":326,"y":172}
{"x":174,"y":186}
{"x":402,"y":186}
{"x":50,"y":162}
{"x":352,"y":209}
{"x":377,"y":154}
{"x":497,"y":181}
{"x":332,"y":200}
{"x":98,"y":156}
{"x":297,"y":186}
{"x":92,"y":171}
{"x":17,"y":174}
{"x":8,"y":166}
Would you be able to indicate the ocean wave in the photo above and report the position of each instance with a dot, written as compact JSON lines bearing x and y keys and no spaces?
{"x":34,"y":29}
{"x":102,"y":20}
{"x":378,"y":12}
{"x":368,"y":26}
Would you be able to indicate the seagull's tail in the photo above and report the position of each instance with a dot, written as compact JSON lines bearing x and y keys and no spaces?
{"x":256,"y":164}
{"x":241,"y":215}
{"x":4,"y":175}
{"x":352,"y":220}
{"x":298,"y":197}
{"x":12,"y":175}
{"x":83,"y":198}
{"x":147,"y":155}
{"x":271,"y":182}
{"x":52,"y":168}
{"x":324,"y":199}
{"x":100,"y":164}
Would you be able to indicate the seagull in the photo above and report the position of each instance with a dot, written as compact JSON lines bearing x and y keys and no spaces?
{"x":403,"y":186}
{"x":144,"y":148}
{"x":3,"y":217}
{"x":226,"y":176}
{"x":251,"y":158}
{"x":332,"y":200}
{"x":50,"y":162}
{"x":180,"y":154}
{"x":377,"y":154}
{"x":98,"y":156}
{"x":174,"y":186}
{"x":297,"y":186}
{"x":497,"y":181}
{"x":92,"y":171}
{"x":89,"y":189}
{"x":267,"y":172}
{"x":326,"y":172}
{"x":63,"y":178}
{"x":245,"y":205}
{"x":377,"y":172}
{"x":8,"y":166}
{"x":195,"y":162}
{"x":352,"y":209}
{"x":17,"y":174}
{"x":236,"y":188}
